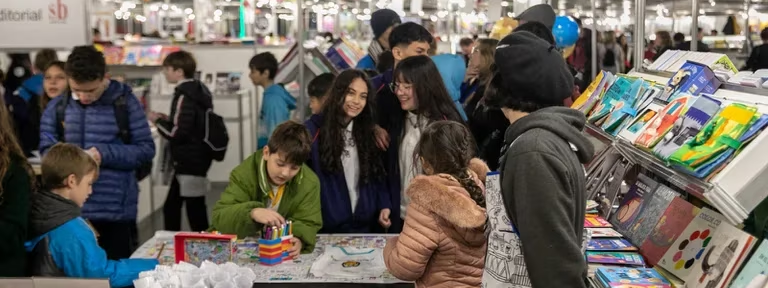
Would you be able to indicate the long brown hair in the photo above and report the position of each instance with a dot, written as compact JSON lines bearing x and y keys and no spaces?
{"x":9,"y":147}
{"x":47,"y":98}
{"x":487,"y":49}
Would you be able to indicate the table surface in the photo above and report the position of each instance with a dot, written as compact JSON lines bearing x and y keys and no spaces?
{"x":290,"y":273}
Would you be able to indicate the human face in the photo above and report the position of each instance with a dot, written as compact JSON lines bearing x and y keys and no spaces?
{"x":466,"y":49}
{"x":356,"y":98}
{"x":279,"y":170}
{"x":475,"y":59}
{"x":257,"y":77}
{"x":173,"y":76}
{"x":80,"y":190}
{"x":316,"y":105}
{"x":404,"y":92}
{"x":55,"y":81}
{"x":89,"y":91}
{"x":414,"y":49}
{"x":384,"y":38}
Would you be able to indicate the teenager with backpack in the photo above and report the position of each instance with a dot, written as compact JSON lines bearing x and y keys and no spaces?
{"x":185,"y":130}
{"x":610,"y":54}
{"x":103,"y":117}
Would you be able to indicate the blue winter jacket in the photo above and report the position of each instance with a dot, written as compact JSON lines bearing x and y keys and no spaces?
{"x":452,"y":69}
{"x":72,"y":249}
{"x":334,"y":194}
{"x":366,"y":63}
{"x":276,"y":106}
{"x":115,"y":193}
{"x":33,"y":85}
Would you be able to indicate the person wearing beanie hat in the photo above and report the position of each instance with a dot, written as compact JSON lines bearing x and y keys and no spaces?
{"x":542,"y":174}
{"x":542,"y":13}
{"x":382,"y":22}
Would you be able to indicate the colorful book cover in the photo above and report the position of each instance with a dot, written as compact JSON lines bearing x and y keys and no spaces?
{"x":593,"y":91}
{"x":632,"y":204}
{"x":662,"y":122}
{"x":610,"y":244}
{"x":721,"y":259}
{"x":687,"y":126}
{"x":692,"y":78}
{"x":654,"y":205}
{"x":712,"y":167}
{"x":624,"y":107}
{"x":113,"y":55}
{"x":604,"y":233}
{"x":592,"y":221}
{"x":756,"y":266}
{"x":626,"y":277}
{"x":643,"y":119}
{"x":716,"y":137}
{"x":688,"y":249}
{"x":621,"y":86}
{"x":620,"y":258}
{"x":678,"y":215}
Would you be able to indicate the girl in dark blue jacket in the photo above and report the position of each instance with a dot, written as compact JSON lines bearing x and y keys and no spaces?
{"x":353,"y":195}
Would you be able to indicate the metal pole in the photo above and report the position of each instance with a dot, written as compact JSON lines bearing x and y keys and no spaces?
{"x":639,"y":35}
{"x":300,"y":43}
{"x":694,"y":25}
{"x":748,"y":45}
{"x":594,"y":43}
{"x":674,"y":8}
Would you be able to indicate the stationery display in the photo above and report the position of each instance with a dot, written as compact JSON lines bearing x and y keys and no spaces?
{"x":275,"y":243}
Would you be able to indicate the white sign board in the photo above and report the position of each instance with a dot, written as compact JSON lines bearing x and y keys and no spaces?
{"x":34,"y":24}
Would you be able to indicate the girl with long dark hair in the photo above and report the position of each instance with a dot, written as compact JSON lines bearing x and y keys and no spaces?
{"x":16,"y":186}
{"x":346,"y":160}
{"x":423,"y":100}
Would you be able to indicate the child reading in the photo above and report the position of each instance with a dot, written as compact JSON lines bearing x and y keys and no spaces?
{"x":317,"y":89}
{"x":271,"y":186}
{"x":443,"y":241}
{"x":63,"y":243}
{"x":344,"y":156}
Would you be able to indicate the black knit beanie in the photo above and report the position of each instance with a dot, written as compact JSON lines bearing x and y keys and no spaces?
{"x":383,"y":19}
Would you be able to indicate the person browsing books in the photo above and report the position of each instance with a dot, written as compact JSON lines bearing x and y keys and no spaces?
{"x":277,"y":103}
{"x":354,"y":194}
{"x":443,"y":241}
{"x":63,"y":244}
{"x":271,"y":186}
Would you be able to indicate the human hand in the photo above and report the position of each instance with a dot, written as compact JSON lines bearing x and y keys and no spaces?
{"x":95,"y":154}
{"x":382,"y":138}
{"x":295,"y":249}
{"x":267,"y":217}
{"x":384,"y":218}
{"x":153,"y":116}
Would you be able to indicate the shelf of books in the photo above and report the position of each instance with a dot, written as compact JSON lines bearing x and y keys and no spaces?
{"x":685,"y":167}
{"x":314,"y":61}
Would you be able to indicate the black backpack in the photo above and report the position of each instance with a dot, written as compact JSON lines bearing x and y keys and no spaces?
{"x":123,"y":124}
{"x":609,"y":60}
{"x":216,"y":136}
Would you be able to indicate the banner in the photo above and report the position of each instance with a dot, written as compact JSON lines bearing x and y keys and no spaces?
{"x":34,"y":24}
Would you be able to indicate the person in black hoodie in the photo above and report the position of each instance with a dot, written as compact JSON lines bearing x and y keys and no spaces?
{"x":542,"y":174}
{"x":185,"y":130}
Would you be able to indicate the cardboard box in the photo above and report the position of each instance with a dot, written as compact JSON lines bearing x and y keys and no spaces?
{"x":44,"y":282}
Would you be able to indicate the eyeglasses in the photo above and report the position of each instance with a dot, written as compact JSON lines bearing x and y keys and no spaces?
{"x":394,"y":86}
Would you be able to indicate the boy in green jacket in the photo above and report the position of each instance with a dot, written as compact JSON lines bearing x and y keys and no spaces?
{"x":271,"y":186}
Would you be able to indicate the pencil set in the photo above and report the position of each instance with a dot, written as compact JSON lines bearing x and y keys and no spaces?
{"x":274,"y":244}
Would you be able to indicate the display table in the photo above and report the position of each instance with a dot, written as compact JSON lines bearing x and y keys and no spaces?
{"x":294,"y":271}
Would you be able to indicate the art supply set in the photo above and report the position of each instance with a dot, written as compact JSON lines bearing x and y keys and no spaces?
{"x":195,"y":248}
{"x":274,"y":244}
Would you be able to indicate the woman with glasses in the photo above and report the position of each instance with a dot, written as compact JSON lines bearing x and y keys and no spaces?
{"x":423,"y":99}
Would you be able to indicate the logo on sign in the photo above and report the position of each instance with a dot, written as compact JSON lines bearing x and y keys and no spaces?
{"x":58,"y":12}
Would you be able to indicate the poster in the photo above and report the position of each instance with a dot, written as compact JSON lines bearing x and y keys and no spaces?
{"x":62,"y":20}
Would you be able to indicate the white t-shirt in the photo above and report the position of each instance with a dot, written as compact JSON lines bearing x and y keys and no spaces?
{"x":351,"y":164}
{"x":414,"y":125}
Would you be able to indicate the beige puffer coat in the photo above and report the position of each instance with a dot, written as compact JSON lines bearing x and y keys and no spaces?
{"x":443,"y":242}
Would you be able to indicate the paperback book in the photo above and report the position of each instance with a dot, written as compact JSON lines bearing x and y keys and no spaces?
{"x":610,"y":244}
{"x":616,"y":258}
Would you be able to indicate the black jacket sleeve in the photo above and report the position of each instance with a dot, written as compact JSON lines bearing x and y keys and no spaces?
{"x":537,"y":197}
{"x":14,"y":211}
{"x":181,"y":123}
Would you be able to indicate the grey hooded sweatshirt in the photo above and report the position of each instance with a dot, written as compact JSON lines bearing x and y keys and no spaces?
{"x":543,"y":195}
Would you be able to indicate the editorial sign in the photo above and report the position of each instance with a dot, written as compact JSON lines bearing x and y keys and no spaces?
{"x":33,"y":24}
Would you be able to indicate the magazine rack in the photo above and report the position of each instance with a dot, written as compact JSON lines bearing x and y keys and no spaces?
{"x":739,"y":187}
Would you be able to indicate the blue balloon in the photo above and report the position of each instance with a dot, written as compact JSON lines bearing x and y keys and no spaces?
{"x":566,"y":31}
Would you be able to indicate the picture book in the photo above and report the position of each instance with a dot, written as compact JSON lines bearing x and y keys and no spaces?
{"x":632,"y":204}
{"x":604,"y":233}
{"x":662,"y":122}
{"x":620,"y":258}
{"x":623,"y":107}
{"x":627,"y":277}
{"x":594,"y":221}
{"x":687,"y":126}
{"x":610,"y":244}
{"x":676,"y":217}
{"x":692,"y":78}
{"x":689,"y":248}
{"x":638,"y":124}
{"x":712,"y":167}
{"x":589,"y":97}
{"x":721,"y":259}
{"x":654,"y":204}
{"x":621,"y":86}
{"x":717,"y":136}
{"x":756,"y":266}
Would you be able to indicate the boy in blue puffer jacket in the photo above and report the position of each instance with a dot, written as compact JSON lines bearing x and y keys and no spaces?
{"x":62,"y":243}
{"x":90,"y":121}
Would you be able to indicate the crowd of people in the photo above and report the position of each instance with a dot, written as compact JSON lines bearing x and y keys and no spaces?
{"x":398,"y":152}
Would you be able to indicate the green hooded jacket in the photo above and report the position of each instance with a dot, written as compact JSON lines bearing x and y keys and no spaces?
{"x":248,"y":188}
